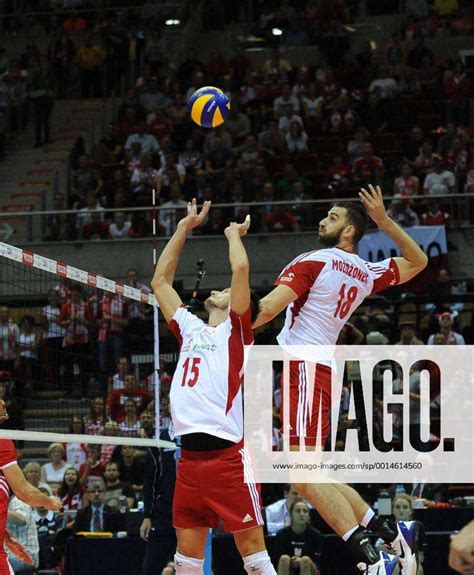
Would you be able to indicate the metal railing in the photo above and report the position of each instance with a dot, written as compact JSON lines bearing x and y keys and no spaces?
{"x":306,"y":213}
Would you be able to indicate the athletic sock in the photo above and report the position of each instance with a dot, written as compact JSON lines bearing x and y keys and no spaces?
{"x":367,"y":517}
{"x":384,"y":528}
{"x":188,"y":565}
{"x":259,"y":564}
{"x":348,"y":534}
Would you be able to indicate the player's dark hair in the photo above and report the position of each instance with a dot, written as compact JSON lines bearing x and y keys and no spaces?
{"x":254,"y":305}
{"x":356,"y":216}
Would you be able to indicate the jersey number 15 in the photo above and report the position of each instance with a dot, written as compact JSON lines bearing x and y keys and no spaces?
{"x":194,"y":369}
{"x":345,"y":301}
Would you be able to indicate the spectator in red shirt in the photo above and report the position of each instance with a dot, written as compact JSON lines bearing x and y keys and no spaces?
{"x":117,"y":398}
{"x":76,"y":317}
{"x":457,"y":89}
{"x":92,"y":470}
{"x":280,"y":219}
{"x":434,"y":216}
{"x":369,"y":160}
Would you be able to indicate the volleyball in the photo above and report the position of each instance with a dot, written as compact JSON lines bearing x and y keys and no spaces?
{"x":209,"y":107}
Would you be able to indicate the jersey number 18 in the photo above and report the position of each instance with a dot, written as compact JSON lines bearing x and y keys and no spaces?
{"x":345,"y":301}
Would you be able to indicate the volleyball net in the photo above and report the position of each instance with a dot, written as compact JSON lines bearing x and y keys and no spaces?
{"x":80,"y":359}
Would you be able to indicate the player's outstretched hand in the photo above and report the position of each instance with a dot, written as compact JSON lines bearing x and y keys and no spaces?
{"x":195,"y":218}
{"x":54,"y":504}
{"x":373,"y":203}
{"x":234,"y":227}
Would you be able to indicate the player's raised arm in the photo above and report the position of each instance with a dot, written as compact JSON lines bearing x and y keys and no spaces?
{"x":413,"y":259}
{"x":274,"y":303}
{"x":239,"y":263}
{"x":162,"y":282}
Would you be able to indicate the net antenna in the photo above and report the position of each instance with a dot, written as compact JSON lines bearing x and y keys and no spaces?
{"x":24,"y":272}
{"x":156,"y":326}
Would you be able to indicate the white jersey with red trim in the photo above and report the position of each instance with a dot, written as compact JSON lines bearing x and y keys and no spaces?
{"x":330,"y":283}
{"x":206,"y":394}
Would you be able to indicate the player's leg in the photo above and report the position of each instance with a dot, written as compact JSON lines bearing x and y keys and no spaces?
{"x":251,"y":546}
{"x":233,"y":495}
{"x":331,"y":505}
{"x":190,"y":517}
{"x":330,"y":502}
{"x":192,"y":542}
{"x":402,"y":536}
{"x":309,"y":395}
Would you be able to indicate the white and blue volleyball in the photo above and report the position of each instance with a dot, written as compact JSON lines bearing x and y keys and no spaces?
{"x":209,"y":107}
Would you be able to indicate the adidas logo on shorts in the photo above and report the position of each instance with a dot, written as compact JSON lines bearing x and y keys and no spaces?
{"x":247,"y":518}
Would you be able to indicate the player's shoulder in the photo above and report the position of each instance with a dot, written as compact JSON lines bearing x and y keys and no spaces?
{"x":182,"y":313}
{"x":323,"y":255}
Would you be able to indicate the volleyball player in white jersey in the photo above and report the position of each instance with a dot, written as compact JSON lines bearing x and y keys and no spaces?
{"x":321,"y":289}
{"x":206,"y":408}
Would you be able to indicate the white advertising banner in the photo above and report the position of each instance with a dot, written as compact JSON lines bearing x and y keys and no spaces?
{"x":385,"y":414}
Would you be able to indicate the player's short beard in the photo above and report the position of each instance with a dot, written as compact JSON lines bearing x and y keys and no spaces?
{"x":329,"y":241}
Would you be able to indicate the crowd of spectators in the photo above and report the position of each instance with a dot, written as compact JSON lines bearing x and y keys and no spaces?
{"x":397,"y":116}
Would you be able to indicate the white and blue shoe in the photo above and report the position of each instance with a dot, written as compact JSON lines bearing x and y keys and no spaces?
{"x":385,"y":565}
{"x":406,"y":546}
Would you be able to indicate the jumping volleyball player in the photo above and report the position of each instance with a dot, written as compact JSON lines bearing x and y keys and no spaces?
{"x":321,"y":289}
{"x":11,"y":476}
{"x":206,"y":408}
